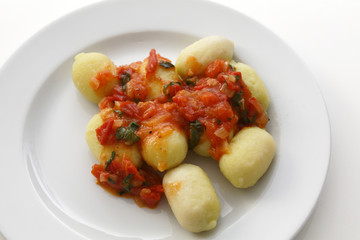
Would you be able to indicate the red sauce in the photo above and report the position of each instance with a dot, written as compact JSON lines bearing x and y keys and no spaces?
{"x":122,"y":178}
{"x":218,"y":102}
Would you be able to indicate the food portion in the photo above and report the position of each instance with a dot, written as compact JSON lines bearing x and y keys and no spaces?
{"x":250,"y":154}
{"x":151,"y":113}
{"x":103,"y":152}
{"x":253,"y":82}
{"x":193,"y":60}
{"x":93,"y":75}
{"x":192,"y":197}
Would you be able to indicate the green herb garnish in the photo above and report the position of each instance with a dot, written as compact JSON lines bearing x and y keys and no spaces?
{"x":128,"y":134}
{"x":190,"y":81}
{"x":236,"y":99}
{"x":110,"y":160}
{"x":127,"y":181}
{"x":166,"y":64}
{"x":111,"y":180}
{"x":195,"y":132}
{"x":128,"y":178}
{"x":125,"y":78}
{"x":119,"y":113}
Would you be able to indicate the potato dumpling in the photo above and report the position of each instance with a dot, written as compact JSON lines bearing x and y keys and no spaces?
{"x":164,"y":151}
{"x":156,"y":81}
{"x":103,"y":153}
{"x":86,"y":67}
{"x":253,"y":82}
{"x":251,"y":152}
{"x":194,"y":59}
{"x":203,"y":147}
{"x":192,"y":198}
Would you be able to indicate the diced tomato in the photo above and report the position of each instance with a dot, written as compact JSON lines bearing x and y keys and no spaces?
{"x":101,"y":79}
{"x":209,"y":98}
{"x":130,"y":109}
{"x":216,"y":67}
{"x":136,"y":88}
{"x":257,"y":111}
{"x":117,"y":94}
{"x":105,"y":133}
{"x":151,"y":195}
{"x":171,"y":88}
{"x":123,"y":177}
{"x":152,"y":62}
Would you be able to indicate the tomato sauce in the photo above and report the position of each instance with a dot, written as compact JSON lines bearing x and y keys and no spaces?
{"x":217,"y":103}
{"x":123,"y":178}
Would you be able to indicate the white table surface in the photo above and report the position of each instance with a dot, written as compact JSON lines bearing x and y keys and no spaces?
{"x":324,"y":33}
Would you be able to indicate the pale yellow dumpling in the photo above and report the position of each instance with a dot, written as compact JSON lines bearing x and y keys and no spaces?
{"x":194,"y":59}
{"x":253,"y":82}
{"x":164,"y":151}
{"x":103,"y":153}
{"x":192,"y":198}
{"x":203,"y":147}
{"x":251,"y":153}
{"x":158,"y":79}
{"x":86,"y":67}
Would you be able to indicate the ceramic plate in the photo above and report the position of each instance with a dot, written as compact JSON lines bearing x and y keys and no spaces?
{"x":47,"y":189}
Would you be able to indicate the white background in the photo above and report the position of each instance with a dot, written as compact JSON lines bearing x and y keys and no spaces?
{"x":324,"y":33}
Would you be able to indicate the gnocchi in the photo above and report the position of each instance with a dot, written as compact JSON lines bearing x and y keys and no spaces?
{"x":251,"y":152}
{"x":192,"y":198}
{"x":152,"y":112}
{"x":194,"y":59}
{"x":166,"y":150}
{"x":103,"y":153}
{"x":94,"y":68}
{"x":253,"y":82}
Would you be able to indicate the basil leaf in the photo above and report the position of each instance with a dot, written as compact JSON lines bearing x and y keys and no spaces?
{"x":128,"y":178}
{"x":127,"y":181}
{"x":190,"y":81}
{"x":196,"y":130}
{"x":134,"y":126}
{"x":110,"y":160}
{"x":120,"y":113}
{"x":125,"y":77}
{"x":166,"y":64}
{"x":236,"y":99}
{"x":128,"y":134}
{"x":120,"y":133}
{"x":127,"y":188}
{"x":111,"y":180}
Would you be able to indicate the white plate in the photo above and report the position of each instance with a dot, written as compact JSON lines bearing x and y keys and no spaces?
{"x":47,"y":191}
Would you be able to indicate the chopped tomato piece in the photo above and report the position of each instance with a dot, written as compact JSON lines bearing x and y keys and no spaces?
{"x":105,"y":133}
{"x":215,"y":68}
{"x":136,"y":88}
{"x":256,"y":111}
{"x":152,"y":62}
{"x":151,"y":195}
{"x":101,"y":79}
{"x":123,"y":177}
